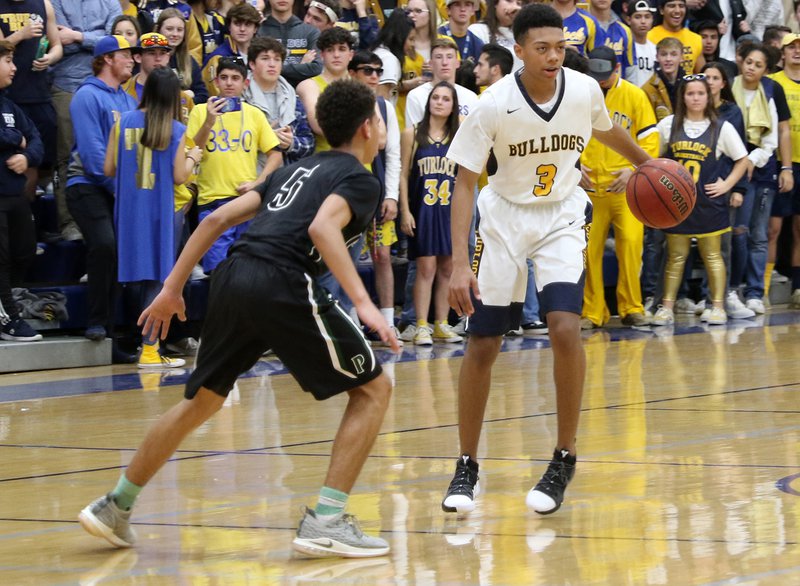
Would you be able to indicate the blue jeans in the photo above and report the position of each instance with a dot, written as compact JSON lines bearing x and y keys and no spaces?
{"x":652,"y":261}
{"x":219,"y":248}
{"x":530,"y":309}
{"x":755,"y":239}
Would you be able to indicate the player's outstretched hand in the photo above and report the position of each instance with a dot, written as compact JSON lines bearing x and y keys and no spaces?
{"x":462,"y":281}
{"x":156,"y":318}
{"x":372,"y":317}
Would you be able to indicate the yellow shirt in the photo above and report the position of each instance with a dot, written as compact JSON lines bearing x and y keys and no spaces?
{"x":322,"y":142}
{"x":792,"y":90}
{"x":412,"y":68}
{"x":629,"y":107}
{"x":692,"y":44}
{"x":230,"y":156}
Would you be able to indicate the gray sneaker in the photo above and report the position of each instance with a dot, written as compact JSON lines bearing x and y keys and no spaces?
{"x":104,"y":519}
{"x":341,"y":537}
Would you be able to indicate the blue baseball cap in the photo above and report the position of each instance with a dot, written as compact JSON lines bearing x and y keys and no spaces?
{"x":113,"y":43}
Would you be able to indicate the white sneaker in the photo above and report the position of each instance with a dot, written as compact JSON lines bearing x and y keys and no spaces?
{"x":514,"y":333}
{"x":663,"y":317}
{"x":461,"y":327}
{"x":684,"y":305}
{"x":717,"y":317}
{"x":794,"y":302}
{"x":445,"y":333}
{"x":409,"y":333}
{"x":778,"y":277}
{"x":700,"y":307}
{"x":706,"y":314}
{"x":735,"y":308}
{"x":423,"y":336}
{"x":756,"y":306}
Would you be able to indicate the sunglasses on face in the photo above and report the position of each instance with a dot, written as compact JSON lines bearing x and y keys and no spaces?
{"x":367,"y":70}
{"x":417,"y":11}
{"x":694,"y":77}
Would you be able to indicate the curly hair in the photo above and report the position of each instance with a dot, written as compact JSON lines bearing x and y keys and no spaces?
{"x":334,"y":36}
{"x":342,"y":108}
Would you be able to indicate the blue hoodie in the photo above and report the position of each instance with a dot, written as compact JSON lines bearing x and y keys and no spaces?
{"x":14,"y":126}
{"x":93,"y":110}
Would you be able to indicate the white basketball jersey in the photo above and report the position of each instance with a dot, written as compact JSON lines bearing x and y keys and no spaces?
{"x":531,"y":155}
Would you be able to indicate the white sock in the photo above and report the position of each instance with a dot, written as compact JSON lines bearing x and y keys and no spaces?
{"x":388,"y":315}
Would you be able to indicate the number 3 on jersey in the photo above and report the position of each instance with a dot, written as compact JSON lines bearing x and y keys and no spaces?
{"x":546,"y":174}
{"x":437,"y":192}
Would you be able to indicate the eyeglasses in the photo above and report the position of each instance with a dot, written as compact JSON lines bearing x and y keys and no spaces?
{"x":227,"y":61}
{"x":154,"y":41}
{"x":416,"y":10}
{"x":367,"y":70}
{"x":694,"y":77}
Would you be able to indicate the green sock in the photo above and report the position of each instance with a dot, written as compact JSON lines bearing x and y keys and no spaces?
{"x":125,"y":493}
{"x":331,"y":503}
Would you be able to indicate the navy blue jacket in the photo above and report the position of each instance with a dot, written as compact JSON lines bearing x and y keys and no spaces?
{"x":14,"y":125}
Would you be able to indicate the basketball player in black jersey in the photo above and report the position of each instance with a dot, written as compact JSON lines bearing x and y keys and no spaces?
{"x":265,"y":296}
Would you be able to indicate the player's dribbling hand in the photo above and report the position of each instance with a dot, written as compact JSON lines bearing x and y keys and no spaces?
{"x":462,"y":281}
{"x":372,"y":317}
{"x":156,"y":317}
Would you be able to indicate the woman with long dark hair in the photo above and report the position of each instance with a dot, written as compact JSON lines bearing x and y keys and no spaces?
{"x":695,"y":137}
{"x":426,"y":185}
{"x":147,"y":156}
{"x":390,"y":46}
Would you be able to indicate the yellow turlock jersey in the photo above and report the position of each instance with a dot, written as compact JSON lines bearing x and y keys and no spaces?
{"x":629,"y":107}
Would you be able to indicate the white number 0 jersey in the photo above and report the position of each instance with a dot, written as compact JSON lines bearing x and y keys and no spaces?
{"x":531,"y":154}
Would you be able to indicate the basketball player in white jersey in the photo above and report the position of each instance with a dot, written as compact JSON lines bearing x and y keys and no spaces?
{"x":529,"y":130}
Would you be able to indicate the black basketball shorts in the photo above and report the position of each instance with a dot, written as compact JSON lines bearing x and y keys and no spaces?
{"x":254,"y":306}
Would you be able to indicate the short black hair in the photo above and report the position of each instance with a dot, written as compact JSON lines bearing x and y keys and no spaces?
{"x":234,"y":63}
{"x":500,"y":56}
{"x":364,"y":58}
{"x":342,"y":108}
{"x":575,"y":61}
{"x":774,"y":32}
{"x":263,"y":44}
{"x":535,"y":15}
{"x":769,"y":56}
{"x":705,"y":25}
{"x":335,"y":35}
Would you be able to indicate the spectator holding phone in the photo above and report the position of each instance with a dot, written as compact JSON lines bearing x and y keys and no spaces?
{"x":231,"y":134}
{"x":269,"y":91}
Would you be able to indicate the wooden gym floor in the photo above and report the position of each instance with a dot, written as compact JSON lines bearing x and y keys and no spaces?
{"x":688,"y":473}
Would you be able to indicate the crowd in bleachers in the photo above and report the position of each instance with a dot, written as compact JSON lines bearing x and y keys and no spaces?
{"x":247,"y":78}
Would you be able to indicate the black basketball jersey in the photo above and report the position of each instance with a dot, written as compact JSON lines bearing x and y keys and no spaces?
{"x":291,"y":199}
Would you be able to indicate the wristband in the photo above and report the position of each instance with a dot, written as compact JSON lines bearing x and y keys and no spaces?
{"x":786,"y":168}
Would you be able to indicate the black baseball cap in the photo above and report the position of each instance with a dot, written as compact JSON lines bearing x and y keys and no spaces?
{"x":602,"y":62}
{"x":640,"y":6}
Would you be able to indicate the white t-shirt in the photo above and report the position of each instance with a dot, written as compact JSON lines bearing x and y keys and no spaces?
{"x":729,"y":143}
{"x":642,"y":70}
{"x":505,"y":38}
{"x":418,"y":97}
{"x":534,"y":152}
{"x":392,"y":177}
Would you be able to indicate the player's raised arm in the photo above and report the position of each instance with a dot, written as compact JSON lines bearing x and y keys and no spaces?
{"x":620,"y":141}
{"x":156,"y":318}
{"x":462,"y":279}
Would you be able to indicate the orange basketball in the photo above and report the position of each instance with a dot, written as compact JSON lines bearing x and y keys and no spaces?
{"x":661,"y":193}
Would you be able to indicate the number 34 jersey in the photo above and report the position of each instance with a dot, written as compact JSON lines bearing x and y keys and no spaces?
{"x":291,"y":198}
{"x":531,"y":151}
